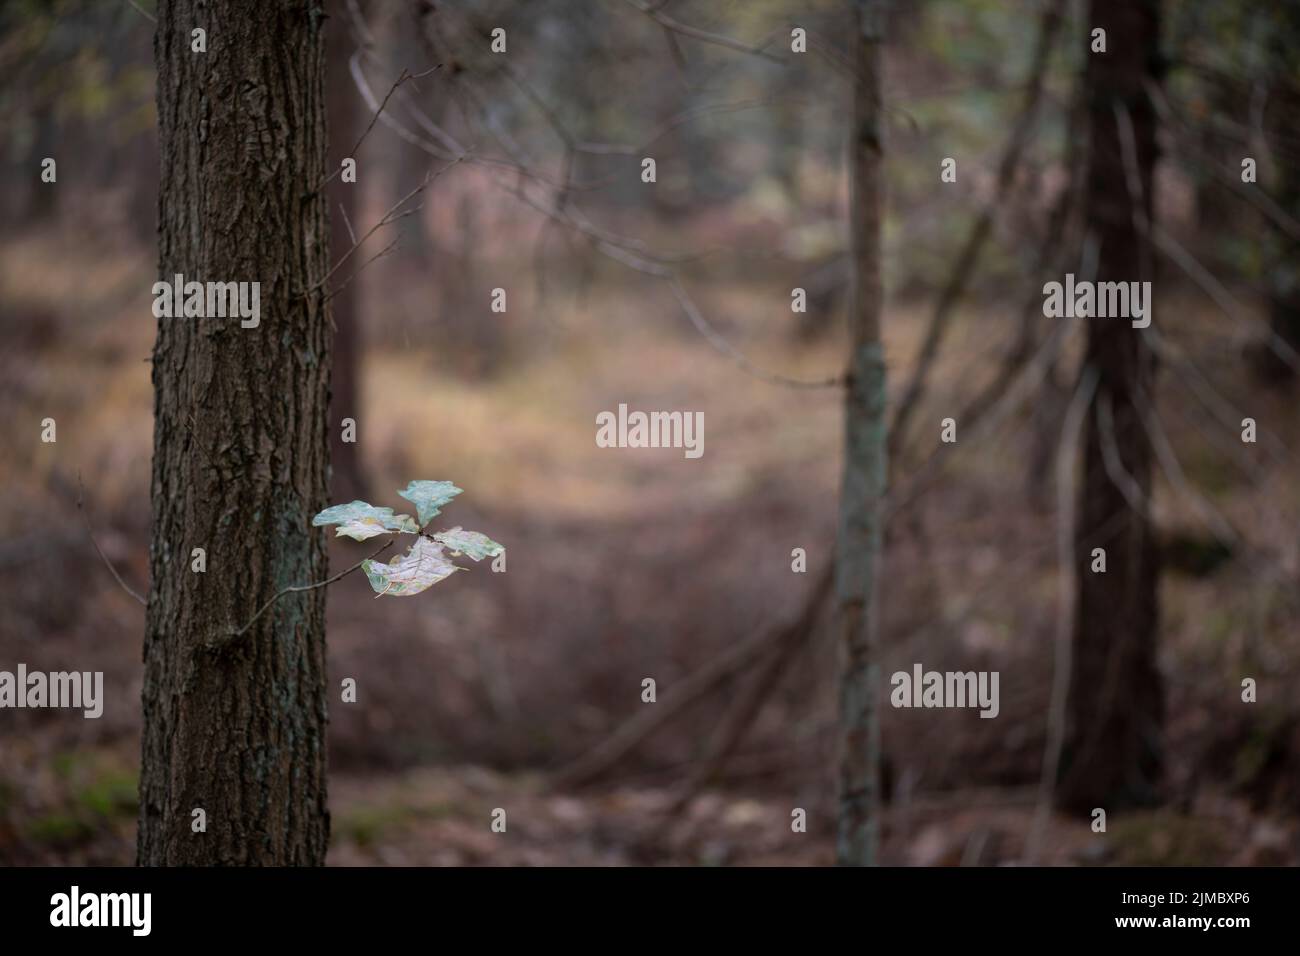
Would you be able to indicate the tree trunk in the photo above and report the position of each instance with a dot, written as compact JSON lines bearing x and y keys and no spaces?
{"x":408,"y":164}
{"x":1283,"y":142}
{"x":347,"y":481}
{"x":863,"y":481}
{"x":43,"y":198}
{"x":240,"y":446}
{"x":1112,"y":755}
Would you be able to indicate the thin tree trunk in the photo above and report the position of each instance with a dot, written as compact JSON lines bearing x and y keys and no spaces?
{"x":408,"y":164}
{"x":240,"y":445}
{"x":347,"y":481}
{"x":1112,"y":755}
{"x":44,"y":196}
{"x":863,"y":483}
{"x":1283,"y":142}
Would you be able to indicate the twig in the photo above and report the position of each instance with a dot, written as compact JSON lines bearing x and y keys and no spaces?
{"x":142,"y":11}
{"x":736,"y":658}
{"x":704,"y":36}
{"x":746,"y":707}
{"x":986,"y":419}
{"x":1119,"y":476}
{"x":1062,"y":662}
{"x":1227,"y":414}
{"x":634,"y":259}
{"x":1179,"y":255}
{"x":81,"y":491}
{"x":363,"y":87}
{"x":1173,"y":470}
{"x":673,"y":122}
{"x":355,"y":272}
{"x":347,"y":222}
{"x":628,"y":252}
{"x":1232,"y":449}
{"x":1133,"y":186}
{"x":401,"y":78}
{"x":981,"y":228}
{"x":833,"y":57}
{"x":1021,"y":353}
{"x":677,"y":54}
{"x":1252,"y":193}
{"x":738,"y":720}
{"x":359,"y":22}
{"x":234,"y":633}
{"x":1221,"y":296}
{"x":390,"y":217}
{"x":726,"y":348}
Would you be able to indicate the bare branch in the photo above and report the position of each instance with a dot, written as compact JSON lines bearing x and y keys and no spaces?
{"x":390,"y":217}
{"x":704,"y":36}
{"x":726,"y":348}
{"x":1213,"y":518}
{"x":1049,"y":26}
{"x":142,"y":11}
{"x":1120,"y":476}
{"x":745,"y":707}
{"x":693,"y":687}
{"x":986,"y":413}
{"x":401,"y":78}
{"x":363,"y":87}
{"x":81,"y":492}
{"x":357,"y":271}
{"x":1252,"y":193}
{"x":681,"y":119}
{"x":1066,"y":478}
{"x":1179,"y":255}
{"x":833,"y":57}
{"x":1227,"y":414}
{"x":629,"y":252}
{"x":678,"y":55}
{"x":347,"y":222}
{"x":234,"y":633}
{"x":1224,"y":299}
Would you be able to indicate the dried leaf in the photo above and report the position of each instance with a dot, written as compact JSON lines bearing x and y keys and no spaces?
{"x":421,"y":567}
{"x":359,"y":521}
{"x":428,"y":497}
{"x":469,"y":543}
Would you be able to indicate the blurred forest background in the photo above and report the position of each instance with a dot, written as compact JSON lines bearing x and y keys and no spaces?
{"x":642,"y":564}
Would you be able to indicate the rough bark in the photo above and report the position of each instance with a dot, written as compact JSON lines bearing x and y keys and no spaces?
{"x":863,"y":480}
{"x":1112,"y":754}
{"x":240,"y":445}
{"x":347,"y":480}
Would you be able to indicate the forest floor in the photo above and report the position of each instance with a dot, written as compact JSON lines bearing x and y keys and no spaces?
{"x":80,"y":809}
{"x":646,"y":564}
